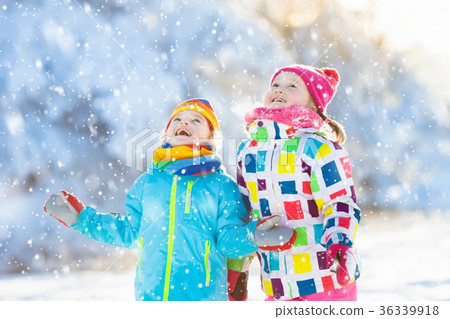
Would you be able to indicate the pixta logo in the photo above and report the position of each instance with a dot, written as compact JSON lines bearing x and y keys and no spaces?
{"x":140,"y":148}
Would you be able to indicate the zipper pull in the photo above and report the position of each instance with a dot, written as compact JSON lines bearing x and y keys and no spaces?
{"x":188,"y":197}
{"x":208,"y":262}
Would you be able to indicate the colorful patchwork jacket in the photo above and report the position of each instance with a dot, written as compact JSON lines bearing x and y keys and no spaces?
{"x":307,"y":180}
{"x":184,"y":227}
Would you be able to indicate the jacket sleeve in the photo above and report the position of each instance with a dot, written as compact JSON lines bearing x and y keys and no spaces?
{"x":113,"y":228}
{"x":334,"y":193}
{"x":238,"y":268}
{"x":235,"y":235}
{"x":242,"y":184}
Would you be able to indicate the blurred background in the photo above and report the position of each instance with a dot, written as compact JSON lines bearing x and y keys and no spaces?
{"x":80,"y":78}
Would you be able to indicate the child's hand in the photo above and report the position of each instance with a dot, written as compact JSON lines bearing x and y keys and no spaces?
{"x":345,"y":260}
{"x":268,"y":236}
{"x":64,"y":207}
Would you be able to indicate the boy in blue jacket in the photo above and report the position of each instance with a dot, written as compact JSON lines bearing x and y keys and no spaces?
{"x":185,"y":215}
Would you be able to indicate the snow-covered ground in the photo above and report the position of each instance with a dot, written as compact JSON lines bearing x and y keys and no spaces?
{"x":404,"y":258}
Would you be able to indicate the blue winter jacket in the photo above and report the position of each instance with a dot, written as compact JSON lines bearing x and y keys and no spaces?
{"x":184,"y":228}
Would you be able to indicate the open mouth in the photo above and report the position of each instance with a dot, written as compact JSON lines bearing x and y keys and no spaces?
{"x":182,"y":132}
{"x":279,"y":100}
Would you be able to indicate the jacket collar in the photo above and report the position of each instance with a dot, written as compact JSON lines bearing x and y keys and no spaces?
{"x":262,"y":130}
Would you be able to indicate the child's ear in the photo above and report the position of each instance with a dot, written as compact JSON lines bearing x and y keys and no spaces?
{"x":312,"y":104}
{"x":211,"y":140}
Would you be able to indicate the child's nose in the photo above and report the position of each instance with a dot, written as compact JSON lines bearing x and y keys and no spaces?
{"x":279,"y":90}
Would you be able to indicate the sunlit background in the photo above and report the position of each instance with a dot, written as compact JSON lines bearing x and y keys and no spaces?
{"x":78,"y":79}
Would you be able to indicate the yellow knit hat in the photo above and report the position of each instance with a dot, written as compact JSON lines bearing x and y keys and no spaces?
{"x":201,"y":106}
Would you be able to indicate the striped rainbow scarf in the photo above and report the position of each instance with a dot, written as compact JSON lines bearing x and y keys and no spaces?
{"x":186,"y":160}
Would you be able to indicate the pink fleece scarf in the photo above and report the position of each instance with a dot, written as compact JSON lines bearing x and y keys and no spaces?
{"x":294,"y":115}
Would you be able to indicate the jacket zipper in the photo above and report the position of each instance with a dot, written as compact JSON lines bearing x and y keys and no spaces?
{"x":272,"y":178}
{"x":188,"y":197}
{"x":141,"y":248}
{"x":207,"y":262}
{"x":173,"y":193}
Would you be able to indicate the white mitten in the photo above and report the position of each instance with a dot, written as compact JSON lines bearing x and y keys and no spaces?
{"x":64,"y":207}
{"x":268,"y":236}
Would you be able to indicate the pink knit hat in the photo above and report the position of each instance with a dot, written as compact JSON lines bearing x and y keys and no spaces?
{"x":321,"y":83}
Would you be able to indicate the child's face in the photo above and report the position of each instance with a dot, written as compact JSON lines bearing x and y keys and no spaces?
{"x":288,"y":89}
{"x":188,"y":128}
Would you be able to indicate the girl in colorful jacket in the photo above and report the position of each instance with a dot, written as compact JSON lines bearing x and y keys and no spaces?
{"x":292,"y":167}
{"x":184,"y":214}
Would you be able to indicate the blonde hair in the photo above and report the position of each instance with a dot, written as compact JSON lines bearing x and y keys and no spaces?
{"x":337,"y":129}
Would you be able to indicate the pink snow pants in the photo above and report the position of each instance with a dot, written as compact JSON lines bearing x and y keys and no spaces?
{"x":347,"y":293}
